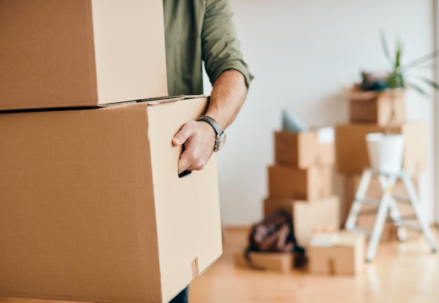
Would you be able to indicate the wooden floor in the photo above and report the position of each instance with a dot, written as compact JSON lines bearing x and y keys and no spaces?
{"x":401,"y":273}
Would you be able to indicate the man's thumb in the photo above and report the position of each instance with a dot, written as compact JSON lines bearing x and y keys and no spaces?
{"x":181,"y":137}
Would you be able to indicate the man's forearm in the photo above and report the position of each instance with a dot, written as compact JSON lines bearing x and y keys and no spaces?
{"x":228,"y":95}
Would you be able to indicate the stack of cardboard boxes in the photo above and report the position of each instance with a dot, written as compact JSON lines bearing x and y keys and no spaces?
{"x":92,"y":207}
{"x":369,"y":113}
{"x":300,"y":181}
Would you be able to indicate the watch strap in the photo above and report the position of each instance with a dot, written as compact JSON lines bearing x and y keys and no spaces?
{"x":218,"y":130}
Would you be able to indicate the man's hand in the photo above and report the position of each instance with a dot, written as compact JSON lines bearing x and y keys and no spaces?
{"x":198,"y":139}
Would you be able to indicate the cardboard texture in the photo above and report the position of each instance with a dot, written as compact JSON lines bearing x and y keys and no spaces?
{"x":372,"y":107}
{"x":307,"y":215}
{"x":92,"y":208}
{"x":351,"y":150}
{"x":307,"y":184}
{"x":280,"y":262}
{"x":272,"y":204}
{"x":302,"y":150}
{"x":345,"y":256}
{"x":374,"y":191}
{"x":80,"y":53}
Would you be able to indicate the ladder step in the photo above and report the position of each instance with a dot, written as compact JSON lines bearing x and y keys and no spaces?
{"x":401,"y":199}
{"x":378,"y":173}
{"x":408,"y":225}
{"x":368,"y":212}
{"x":365,"y":231}
{"x":368,"y":201}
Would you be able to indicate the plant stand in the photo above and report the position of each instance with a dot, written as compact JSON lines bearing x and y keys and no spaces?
{"x":386,"y":204}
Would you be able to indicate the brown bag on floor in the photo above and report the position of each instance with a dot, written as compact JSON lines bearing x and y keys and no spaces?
{"x":275,"y":234}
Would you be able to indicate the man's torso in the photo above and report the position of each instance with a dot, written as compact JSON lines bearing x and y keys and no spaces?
{"x":183,"y":25}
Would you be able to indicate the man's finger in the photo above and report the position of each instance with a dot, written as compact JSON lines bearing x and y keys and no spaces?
{"x":185,"y":162}
{"x":185,"y":132}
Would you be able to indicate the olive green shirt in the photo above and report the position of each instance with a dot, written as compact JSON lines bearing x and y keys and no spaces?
{"x":197,"y":31}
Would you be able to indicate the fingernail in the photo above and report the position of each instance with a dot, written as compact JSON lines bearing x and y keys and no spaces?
{"x":176,"y":141}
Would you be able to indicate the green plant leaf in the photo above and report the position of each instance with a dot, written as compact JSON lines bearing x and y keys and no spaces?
{"x":421,"y":60}
{"x":418,"y":89}
{"x":433,"y":84}
{"x":398,"y":54}
{"x":385,"y":48}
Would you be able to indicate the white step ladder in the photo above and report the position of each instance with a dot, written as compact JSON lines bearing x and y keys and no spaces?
{"x":386,"y":204}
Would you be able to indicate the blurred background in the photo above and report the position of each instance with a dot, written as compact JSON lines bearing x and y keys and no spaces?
{"x":305,"y":56}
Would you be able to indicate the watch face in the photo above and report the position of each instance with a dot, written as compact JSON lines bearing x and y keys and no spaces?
{"x":222,"y":141}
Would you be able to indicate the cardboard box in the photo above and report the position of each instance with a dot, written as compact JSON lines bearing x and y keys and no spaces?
{"x":307,"y":215}
{"x":92,"y":207}
{"x":280,"y":262}
{"x":376,"y":107}
{"x":351,"y":151}
{"x":304,"y":184}
{"x":80,"y":53}
{"x":302,"y":150}
{"x":342,"y":255}
{"x":272,"y":204}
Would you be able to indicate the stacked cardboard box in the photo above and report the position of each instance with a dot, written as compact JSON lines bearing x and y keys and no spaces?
{"x":300,"y":181}
{"x":279,"y":262}
{"x":336,"y":253}
{"x":92,"y":207}
{"x":369,"y":113}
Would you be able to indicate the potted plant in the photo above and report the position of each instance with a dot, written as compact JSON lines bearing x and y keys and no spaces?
{"x":386,"y":149}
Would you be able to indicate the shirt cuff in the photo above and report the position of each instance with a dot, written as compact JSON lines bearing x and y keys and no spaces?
{"x":233,"y":65}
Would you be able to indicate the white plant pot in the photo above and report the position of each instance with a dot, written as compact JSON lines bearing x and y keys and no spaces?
{"x":385,"y":152}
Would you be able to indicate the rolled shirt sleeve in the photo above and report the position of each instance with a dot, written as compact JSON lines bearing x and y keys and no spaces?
{"x":221,"y":49}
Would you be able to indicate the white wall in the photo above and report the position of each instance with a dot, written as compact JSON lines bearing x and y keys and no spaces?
{"x":304,"y":55}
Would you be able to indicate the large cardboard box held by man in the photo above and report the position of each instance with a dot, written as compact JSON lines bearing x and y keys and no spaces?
{"x":351,"y":150}
{"x":93,"y":209}
{"x":78,"y":53}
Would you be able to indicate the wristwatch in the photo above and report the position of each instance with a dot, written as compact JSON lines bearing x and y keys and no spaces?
{"x":220,"y":138}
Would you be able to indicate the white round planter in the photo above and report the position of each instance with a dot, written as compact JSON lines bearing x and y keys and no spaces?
{"x":385,"y":152}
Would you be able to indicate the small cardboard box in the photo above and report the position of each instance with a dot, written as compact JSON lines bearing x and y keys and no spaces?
{"x":80,"y":53}
{"x":309,"y":214}
{"x":351,"y":150}
{"x":376,"y":107}
{"x":92,"y":207}
{"x":302,"y":150}
{"x":280,"y":262}
{"x":304,"y":184}
{"x":339,"y":254}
